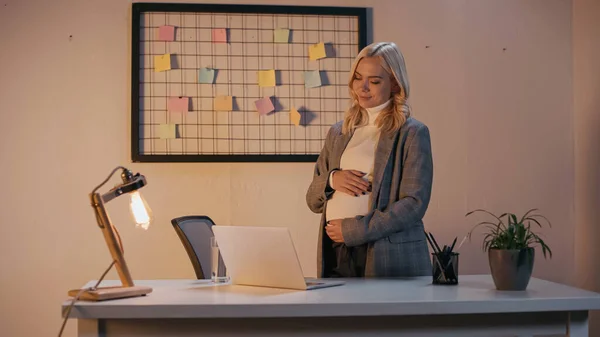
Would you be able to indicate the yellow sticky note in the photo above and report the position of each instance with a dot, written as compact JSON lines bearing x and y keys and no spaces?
{"x":317,"y":51}
{"x":223,"y":103}
{"x":162,"y":62}
{"x":266,"y":78}
{"x":295,"y":116}
{"x":167,"y":131}
{"x":281,"y":35}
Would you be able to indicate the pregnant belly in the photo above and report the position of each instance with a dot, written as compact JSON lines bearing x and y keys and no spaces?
{"x":342,"y":205}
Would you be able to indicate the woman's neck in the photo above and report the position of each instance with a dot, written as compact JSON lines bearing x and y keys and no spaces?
{"x":374,"y":111}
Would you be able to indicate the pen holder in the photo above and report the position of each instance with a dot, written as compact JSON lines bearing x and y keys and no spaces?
{"x":445,"y":268}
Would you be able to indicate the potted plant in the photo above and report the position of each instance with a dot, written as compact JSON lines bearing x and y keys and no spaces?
{"x":509,"y":242}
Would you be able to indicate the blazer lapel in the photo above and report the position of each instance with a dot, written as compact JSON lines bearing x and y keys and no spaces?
{"x":382,"y":156}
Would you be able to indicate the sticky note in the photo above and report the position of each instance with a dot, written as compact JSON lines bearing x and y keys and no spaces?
{"x":264,"y":105}
{"x":178,"y":104}
{"x":167,"y":131}
{"x":281,"y":35}
{"x":206,"y":75}
{"x":162,"y":62}
{"x":219,"y":35}
{"x":295,"y":116}
{"x":317,"y":51}
{"x":266,"y":78}
{"x":166,"y":33}
{"x":312,"y":79}
{"x":223,"y":103}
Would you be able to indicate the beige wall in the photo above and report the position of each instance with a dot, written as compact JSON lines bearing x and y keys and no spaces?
{"x":586,"y":107}
{"x":501,"y":121}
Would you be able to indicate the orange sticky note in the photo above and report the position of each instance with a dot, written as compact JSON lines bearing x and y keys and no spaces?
{"x":223,"y":103}
{"x":266,"y":78}
{"x":317,"y":51}
{"x":295,"y":116}
{"x":162,"y":62}
{"x":219,"y":35}
{"x":166,"y":33}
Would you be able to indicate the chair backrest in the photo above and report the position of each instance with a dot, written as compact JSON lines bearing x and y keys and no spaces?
{"x":195,"y":232}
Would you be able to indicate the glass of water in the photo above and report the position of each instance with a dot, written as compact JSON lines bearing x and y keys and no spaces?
{"x":218,"y":272}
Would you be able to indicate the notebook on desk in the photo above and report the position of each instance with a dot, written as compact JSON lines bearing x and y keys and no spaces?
{"x":264,"y":256}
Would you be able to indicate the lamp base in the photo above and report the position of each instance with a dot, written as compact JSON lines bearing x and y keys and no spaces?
{"x":111,"y":293}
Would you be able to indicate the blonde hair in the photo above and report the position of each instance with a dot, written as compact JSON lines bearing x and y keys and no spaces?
{"x":396,"y":114}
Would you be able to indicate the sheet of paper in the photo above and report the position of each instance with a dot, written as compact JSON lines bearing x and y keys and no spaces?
{"x":312,"y":79}
{"x":162,"y":62}
{"x":295,"y":116}
{"x":206,"y":75}
{"x":317,"y":51}
{"x":223,"y":103}
{"x":166,"y":33}
{"x":264,"y":105}
{"x":219,"y":35}
{"x":167,"y":131}
{"x":178,"y":104}
{"x":266,"y":78}
{"x":281,"y":35}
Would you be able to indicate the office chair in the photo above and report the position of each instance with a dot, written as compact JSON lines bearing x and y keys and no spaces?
{"x":195,"y":232}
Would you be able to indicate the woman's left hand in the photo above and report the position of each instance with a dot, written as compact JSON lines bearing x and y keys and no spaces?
{"x":334,"y":230}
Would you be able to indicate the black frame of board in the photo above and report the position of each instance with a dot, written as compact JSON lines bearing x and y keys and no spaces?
{"x":139,"y":8}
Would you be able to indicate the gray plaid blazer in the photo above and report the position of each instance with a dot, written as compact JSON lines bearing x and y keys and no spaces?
{"x":401,"y":188}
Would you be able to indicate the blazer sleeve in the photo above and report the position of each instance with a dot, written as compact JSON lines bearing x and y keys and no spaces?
{"x":415,"y":192}
{"x":319,"y":189}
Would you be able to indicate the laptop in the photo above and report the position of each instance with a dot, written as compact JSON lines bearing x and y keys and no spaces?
{"x":265,"y":257}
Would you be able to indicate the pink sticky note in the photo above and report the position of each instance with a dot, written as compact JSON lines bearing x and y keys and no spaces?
{"x":219,"y":35}
{"x":264,"y":105}
{"x":166,"y":33}
{"x":178,"y":104}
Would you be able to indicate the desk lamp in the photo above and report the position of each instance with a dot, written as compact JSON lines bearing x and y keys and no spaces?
{"x":142,"y":216}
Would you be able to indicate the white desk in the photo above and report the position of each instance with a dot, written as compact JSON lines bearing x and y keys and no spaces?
{"x":376,"y":307}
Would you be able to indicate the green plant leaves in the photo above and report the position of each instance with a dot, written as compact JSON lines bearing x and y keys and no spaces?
{"x":514,"y":234}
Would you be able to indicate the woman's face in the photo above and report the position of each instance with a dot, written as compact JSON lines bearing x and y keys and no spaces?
{"x":371,"y":83}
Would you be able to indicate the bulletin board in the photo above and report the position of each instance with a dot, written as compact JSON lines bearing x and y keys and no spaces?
{"x":239,"y":83}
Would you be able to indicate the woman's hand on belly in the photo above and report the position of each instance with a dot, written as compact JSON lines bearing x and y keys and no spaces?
{"x":334,"y":230}
{"x":350,"y":182}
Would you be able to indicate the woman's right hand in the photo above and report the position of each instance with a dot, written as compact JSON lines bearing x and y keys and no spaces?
{"x":350,"y":182}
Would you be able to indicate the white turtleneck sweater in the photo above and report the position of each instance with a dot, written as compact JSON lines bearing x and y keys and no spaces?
{"x":359,"y":155}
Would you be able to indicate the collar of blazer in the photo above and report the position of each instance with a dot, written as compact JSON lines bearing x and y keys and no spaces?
{"x":384,"y":148}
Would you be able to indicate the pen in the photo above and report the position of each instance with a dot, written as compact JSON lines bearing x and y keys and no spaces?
{"x":431,"y":243}
{"x":435,"y":242}
{"x":453,"y":243}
